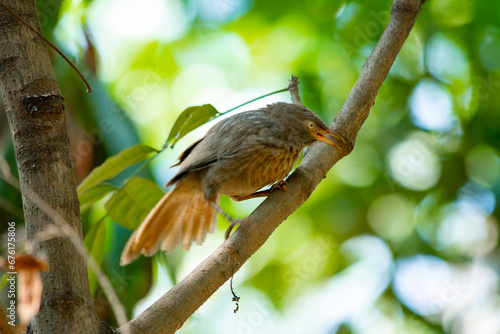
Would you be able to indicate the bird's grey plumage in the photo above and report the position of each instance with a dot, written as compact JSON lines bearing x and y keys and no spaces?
{"x":238,"y":156}
{"x":236,"y":142}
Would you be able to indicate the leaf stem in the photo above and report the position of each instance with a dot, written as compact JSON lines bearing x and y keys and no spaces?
{"x":253,"y":100}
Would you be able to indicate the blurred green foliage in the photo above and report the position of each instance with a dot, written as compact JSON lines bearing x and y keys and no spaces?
{"x":402,"y":235}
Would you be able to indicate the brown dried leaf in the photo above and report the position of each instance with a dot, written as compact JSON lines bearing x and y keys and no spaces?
{"x":28,"y":262}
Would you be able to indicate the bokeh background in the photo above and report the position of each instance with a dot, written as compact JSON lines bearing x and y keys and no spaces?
{"x":402,"y":235}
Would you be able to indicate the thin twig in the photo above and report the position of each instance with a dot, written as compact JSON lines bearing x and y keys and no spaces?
{"x":11,"y":208}
{"x":62,"y":230}
{"x":89,"y":88}
{"x":293,"y":87}
{"x":235,"y":298}
{"x":6,"y":174}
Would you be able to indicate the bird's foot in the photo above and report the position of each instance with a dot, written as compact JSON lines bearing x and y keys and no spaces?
{"x":233,"y":221}
{"x":217,"y":207}
{"x":282,"y":185}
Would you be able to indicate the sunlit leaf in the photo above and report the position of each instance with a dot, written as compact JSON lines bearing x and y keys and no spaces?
{"x":188,"y":120}
{"x":114,"y":165}
{"x":93,"y":195}
{"x":130,"y":205}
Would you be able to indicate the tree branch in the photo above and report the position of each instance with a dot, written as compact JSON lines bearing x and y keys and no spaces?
{"x":169,"y":313}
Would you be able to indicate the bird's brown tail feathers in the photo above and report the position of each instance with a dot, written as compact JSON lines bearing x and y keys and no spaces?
{"x":180,"y":217}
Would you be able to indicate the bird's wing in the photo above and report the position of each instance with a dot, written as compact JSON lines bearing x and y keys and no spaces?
{"x":223,"y":140}
{"x":239,"y":131}
{"x":195,"y":157}
{"x":186,"y":152}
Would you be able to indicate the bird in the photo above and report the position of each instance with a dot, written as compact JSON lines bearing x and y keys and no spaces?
{"x":237,"y":157}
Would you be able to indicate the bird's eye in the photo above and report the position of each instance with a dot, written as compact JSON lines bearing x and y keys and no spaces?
{"x":311,"y":125}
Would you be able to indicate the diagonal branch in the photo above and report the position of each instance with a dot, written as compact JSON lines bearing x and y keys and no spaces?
{"x":169,"y":313}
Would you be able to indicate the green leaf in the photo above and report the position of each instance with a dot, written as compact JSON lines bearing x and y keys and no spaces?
{"x":93,"y":195}
{"x":114,"y":165}
{"x":3,"y":280}
{"x":95,"y":244}
{"x":188,"y":120}
{"x":130,"y":205}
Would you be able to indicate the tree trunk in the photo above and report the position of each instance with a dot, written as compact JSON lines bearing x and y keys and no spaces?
{"x":35,"y":112}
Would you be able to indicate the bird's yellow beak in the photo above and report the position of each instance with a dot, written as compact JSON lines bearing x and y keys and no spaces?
{"x":319,"y":136}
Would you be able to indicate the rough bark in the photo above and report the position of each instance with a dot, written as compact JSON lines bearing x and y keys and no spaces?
{"x":35,"y":112}
{"x":169,"y":313}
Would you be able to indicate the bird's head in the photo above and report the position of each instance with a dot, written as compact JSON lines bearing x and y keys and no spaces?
{"x":304,"y":123}
{"x":318,"y":130}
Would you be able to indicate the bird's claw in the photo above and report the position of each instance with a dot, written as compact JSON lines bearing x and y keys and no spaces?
{"x":282,"y":185}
